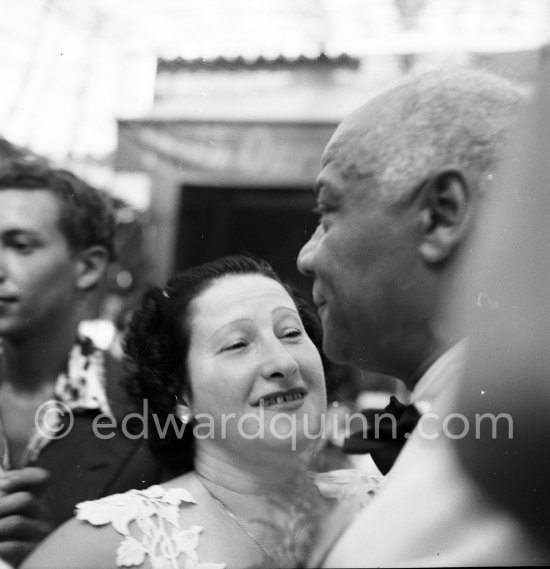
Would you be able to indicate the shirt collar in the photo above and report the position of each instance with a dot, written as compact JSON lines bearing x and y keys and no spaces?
{"x":446,"y":369}
{"x":82,"y":387}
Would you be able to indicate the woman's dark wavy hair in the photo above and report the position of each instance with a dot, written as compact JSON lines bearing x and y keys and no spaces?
{"x":157,"y":343}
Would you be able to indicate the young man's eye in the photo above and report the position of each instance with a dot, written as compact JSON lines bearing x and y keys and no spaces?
{"x":23,"y":246}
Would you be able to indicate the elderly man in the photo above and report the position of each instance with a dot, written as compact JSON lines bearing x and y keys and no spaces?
{"x":398,"y":197}
{"x":56,"y":240}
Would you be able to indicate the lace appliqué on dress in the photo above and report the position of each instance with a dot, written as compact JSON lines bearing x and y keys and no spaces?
{"x":156,"y":512}
{"x":347,"y":485}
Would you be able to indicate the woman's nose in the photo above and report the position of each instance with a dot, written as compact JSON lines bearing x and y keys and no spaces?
{"x":278,"y":362}
{"x":305,"y":257}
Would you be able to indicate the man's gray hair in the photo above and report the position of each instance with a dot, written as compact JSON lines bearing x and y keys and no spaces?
{"x":428,"y":121}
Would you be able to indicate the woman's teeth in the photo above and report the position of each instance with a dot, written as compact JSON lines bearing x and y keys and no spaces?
{"x":267,"y":401}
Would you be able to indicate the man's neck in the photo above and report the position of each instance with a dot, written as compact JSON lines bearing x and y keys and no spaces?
{"x":426,"y":356}
{"x":422,"y":368}
{"x":34,"y":363}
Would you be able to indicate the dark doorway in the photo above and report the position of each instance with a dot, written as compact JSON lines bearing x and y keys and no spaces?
{"x":272,"y":223}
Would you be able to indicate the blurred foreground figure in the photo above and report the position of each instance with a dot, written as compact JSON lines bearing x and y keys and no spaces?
{"x":399,"y":196}
{"x":56,"y":240}
{"x":508,"y":372}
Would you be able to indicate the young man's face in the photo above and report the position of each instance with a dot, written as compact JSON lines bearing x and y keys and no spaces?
{"x":37,"y":271}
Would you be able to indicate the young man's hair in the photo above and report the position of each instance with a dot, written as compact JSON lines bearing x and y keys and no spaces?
{"x":86,"y":215}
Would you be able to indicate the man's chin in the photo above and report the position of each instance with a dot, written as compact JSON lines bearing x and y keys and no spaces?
{"x":336,"y":349}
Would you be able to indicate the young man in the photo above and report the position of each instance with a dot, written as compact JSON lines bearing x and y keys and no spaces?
{"x":56,"y":240}
{"x":399,"y":194}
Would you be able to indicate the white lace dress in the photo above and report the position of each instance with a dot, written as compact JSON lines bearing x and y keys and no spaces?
{"x":156,"y":512}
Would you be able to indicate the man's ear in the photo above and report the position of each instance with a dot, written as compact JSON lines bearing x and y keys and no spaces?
{"x":91,"y":265}
{"x":445,"y":209}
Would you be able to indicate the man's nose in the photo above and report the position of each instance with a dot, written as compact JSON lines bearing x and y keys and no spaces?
{"x":305,"y":257}
{"x":278,"y":362}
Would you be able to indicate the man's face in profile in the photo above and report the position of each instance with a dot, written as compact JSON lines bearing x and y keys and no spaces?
{"x":37,"y":270}
{"x":360,"y":257}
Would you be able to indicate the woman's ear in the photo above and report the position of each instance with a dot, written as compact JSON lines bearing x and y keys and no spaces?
{"x":91,"y":265}
{"x":445,"y":210}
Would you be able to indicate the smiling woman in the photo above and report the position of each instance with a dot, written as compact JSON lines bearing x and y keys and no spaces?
{"x":226,"y":359}
{"x":250,"y":356}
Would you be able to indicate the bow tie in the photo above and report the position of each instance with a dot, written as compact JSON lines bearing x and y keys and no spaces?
{"x":386,"y":433}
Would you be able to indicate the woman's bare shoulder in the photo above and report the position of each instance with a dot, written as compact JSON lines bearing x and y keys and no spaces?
{"x":76,"y":544}
{"x":119,"y":529}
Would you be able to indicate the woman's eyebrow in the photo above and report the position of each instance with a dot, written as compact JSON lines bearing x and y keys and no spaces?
{"x":232,"y":323}
{"x":286,"y":309}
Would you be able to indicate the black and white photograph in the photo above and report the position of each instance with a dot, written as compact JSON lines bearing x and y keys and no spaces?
{"x":274,"y":284}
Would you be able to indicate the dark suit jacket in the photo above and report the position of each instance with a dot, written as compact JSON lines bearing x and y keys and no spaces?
{"x":85,"y":467}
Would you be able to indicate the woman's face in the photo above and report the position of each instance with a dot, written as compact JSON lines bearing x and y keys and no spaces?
{"x":254,"y":372}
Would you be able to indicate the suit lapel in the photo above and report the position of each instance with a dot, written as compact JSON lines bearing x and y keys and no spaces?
{"x":82,"y":466}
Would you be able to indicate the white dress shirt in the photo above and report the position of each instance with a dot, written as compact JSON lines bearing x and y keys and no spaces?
{"x":429,"y":513}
